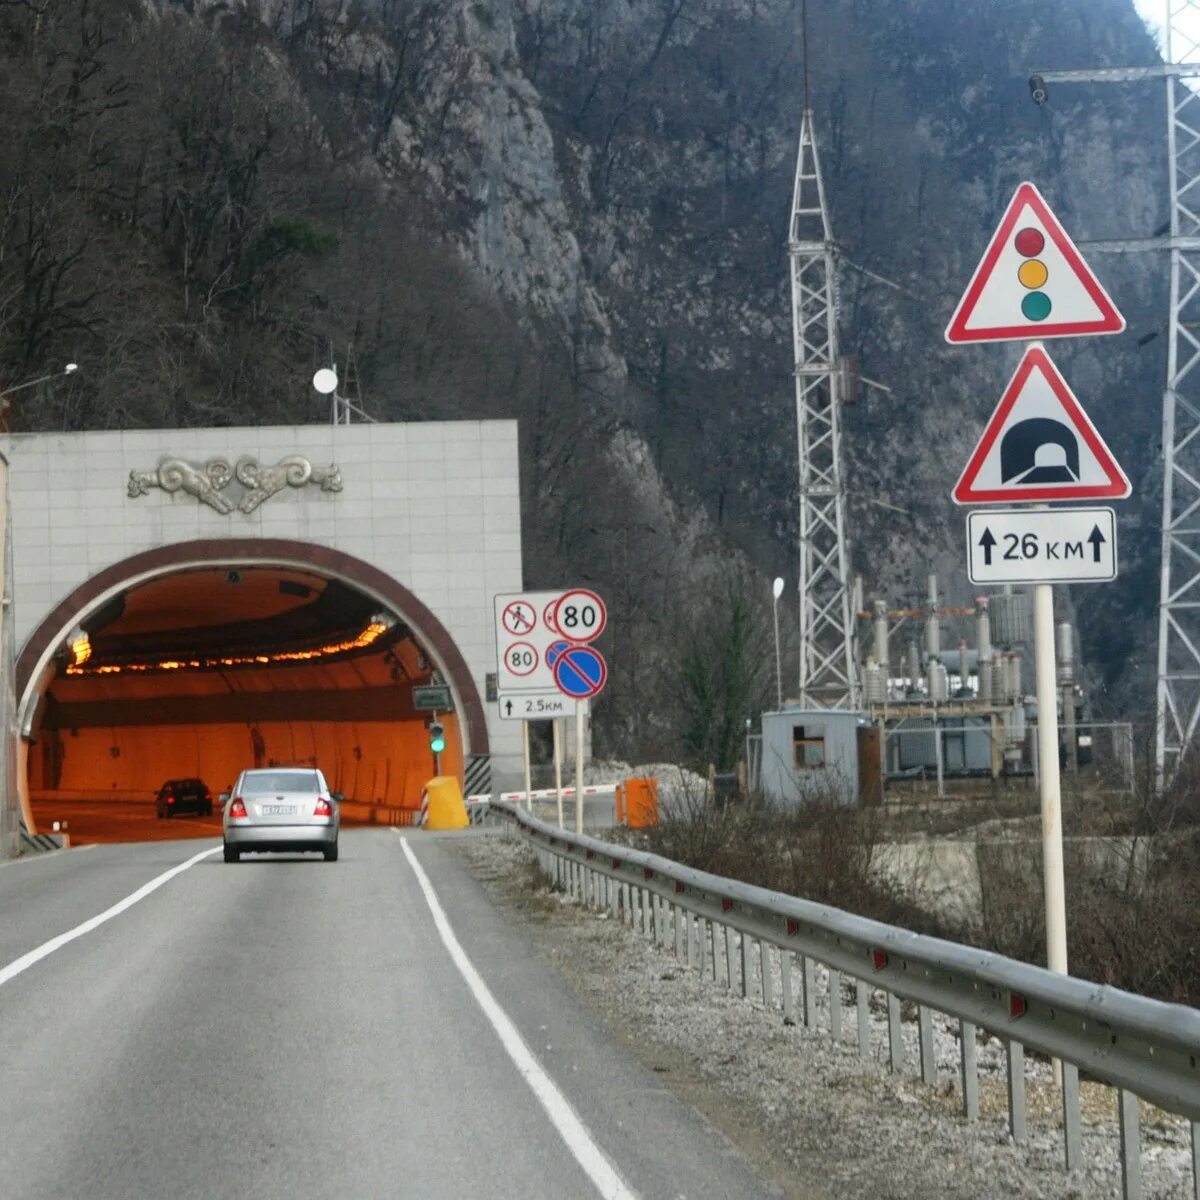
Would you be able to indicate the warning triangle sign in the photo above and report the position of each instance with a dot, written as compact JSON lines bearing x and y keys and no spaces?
{"x":1039,"y":445}
{"x":1032,"y":282}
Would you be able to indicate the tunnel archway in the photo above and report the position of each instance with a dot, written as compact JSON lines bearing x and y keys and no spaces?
{"x":202,"y":657}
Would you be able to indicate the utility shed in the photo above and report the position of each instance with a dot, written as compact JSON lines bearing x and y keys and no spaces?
{"x":812,"y":755}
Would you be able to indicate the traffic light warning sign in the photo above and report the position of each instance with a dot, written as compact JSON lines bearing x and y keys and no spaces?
{"x":1032,"y":283}
{"x":1040,"y":445}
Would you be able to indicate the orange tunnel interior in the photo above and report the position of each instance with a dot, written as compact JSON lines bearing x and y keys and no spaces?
{"x":206,"y":672}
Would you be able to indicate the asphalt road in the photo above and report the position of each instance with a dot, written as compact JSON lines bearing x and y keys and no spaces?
{"x":284,"y":1027}
{"x":121,"y":820}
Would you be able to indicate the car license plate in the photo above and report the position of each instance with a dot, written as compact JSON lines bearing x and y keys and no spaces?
{"x":279,"y":810}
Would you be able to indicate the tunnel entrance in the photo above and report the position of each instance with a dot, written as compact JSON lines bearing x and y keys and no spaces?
{"x":203,"y":670}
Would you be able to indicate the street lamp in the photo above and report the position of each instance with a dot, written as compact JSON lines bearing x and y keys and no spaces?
{"x":326,"y":381}
{"x":776,"y":592}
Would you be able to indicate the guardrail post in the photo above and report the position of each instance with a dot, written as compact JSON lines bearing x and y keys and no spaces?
{"x":1072,"y":1136}
{"x":970,"y":1070}
{"x":785,"y":985}
{"x":626,"y":918}
{"x":745,"y":965}
{"x":730,"y":958}
{"x":835,"y":1005}
{"x":614,"y":893}
{"x":862,"y":1001}
{"x":712,"y":934}
{"x":701,"y":943}
{"x":647,"y":915}
{"x":925,"y":1037}
{"x":895,"y":1040}
{"x":1131,"y":1154}
{"x":764,"y":963}
{"x":1016,"y":1090}
{"x":808,"y":973}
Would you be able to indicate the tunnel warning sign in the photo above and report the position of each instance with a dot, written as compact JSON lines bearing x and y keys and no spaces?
{"x":1040,"y":445}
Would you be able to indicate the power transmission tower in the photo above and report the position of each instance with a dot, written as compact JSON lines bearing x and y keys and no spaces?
{"x":1178,"y":690}
{"x":828,"y":677}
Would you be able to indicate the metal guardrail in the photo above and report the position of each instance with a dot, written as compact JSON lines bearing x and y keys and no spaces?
{"x":1142,"y":1047}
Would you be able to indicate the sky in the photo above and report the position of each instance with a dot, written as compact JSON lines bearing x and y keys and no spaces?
{"x":1153,"y":12}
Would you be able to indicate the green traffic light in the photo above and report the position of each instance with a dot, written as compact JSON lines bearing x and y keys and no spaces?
{"x":1036,"y":306}
{"x":437,"y":738}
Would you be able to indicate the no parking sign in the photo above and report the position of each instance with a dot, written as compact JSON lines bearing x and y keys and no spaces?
{"x":580,"y":672}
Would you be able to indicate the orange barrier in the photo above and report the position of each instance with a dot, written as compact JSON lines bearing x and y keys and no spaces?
{"x":637,"y":803}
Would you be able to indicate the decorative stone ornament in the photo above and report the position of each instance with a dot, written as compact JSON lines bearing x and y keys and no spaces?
{"x":208,"y":482}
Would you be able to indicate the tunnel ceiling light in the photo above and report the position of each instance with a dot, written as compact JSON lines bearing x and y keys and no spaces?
{"x":370,"y":634}
{"x":80,"y":646}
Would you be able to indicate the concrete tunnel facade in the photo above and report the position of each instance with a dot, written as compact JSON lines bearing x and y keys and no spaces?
{"x":192,"y":602}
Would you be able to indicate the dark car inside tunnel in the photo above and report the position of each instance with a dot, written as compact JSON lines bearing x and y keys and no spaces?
{"x":199,"y":674}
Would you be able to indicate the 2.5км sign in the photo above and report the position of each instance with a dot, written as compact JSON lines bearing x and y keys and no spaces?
{"x":1065,"y":545}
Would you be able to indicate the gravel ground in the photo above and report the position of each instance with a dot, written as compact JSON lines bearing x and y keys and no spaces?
{"x":814,"y":1115}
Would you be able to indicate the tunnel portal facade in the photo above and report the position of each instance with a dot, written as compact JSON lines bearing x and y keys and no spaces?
{"x":190,"y":602}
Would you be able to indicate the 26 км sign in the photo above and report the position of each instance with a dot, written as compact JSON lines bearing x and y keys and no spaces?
{"x":1065,"y":545}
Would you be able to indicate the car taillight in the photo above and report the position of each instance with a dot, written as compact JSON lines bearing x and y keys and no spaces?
{"x":208,"y":795}
{"x":323,"y":809}
{"x":170,"y":799}
{"x":237,"y":808}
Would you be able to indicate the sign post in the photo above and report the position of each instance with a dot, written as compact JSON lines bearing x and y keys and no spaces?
{"x":558,"y":768}
{"x":528,"y":772}
{"x":1051,"y":783}
{"x":1039,"y":445}
{"x":580,"y":709}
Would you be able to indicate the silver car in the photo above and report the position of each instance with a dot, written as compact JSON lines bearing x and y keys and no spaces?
{"x":281,"y":808}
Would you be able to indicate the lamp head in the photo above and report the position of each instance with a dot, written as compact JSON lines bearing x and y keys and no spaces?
{"x":325,"y":380}
{"x":777,"y":588}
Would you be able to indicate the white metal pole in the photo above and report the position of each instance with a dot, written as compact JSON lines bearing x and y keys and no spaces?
{"x":579,"y":710}
{"x":558,"y":768}
{"x":778,"y":668}
{"x":1051,"y":792}
{"x":528,"y":772}
{"x":937,"y":750}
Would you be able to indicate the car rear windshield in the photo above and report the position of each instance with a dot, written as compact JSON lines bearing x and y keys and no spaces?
{"x":280,"y":781}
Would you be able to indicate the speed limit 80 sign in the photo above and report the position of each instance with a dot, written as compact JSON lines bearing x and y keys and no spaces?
{"x":580,"y":615}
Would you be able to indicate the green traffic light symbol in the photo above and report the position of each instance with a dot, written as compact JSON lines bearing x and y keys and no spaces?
{"x":1032,"y":273}
{"x":437,"y":737}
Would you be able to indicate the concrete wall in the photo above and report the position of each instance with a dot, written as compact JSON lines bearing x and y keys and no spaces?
{"x":950,"y":877}
{"x":435,"y":505}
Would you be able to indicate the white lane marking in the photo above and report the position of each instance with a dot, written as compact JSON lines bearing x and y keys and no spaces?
{"x":19,"y":965}
{"x":558,"y":1108}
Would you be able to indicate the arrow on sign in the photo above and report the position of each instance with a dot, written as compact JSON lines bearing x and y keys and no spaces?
{"x":987,"y":542}
{"x":1097,"y":540}
{"x":508,"y":708}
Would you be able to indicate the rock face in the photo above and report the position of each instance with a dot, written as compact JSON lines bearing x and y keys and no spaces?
{"x":627,"y":169}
